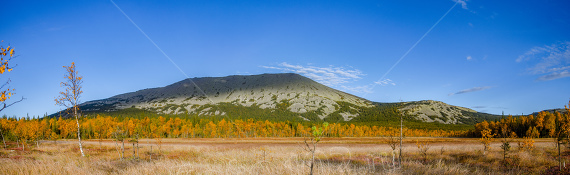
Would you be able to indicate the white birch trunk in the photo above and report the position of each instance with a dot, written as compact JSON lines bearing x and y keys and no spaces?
{"x":78,"y":132}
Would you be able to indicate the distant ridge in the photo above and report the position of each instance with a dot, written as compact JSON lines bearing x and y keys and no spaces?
{"x":560,"y":110}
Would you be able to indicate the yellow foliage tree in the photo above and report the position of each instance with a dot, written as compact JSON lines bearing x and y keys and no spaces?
{"x":70,"y":97}
{"x":6,"y":55}
{"x":487,"y":138}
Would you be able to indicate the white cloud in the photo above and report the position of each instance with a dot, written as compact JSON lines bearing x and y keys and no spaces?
{"x":553,"y":60}
{"x":359,"y":89}
{"x":330,"y":76}
{"x":462,"y":2}
{"x":474,"y":89}
{"x":385,"y":82}
{"x":469,"y":57}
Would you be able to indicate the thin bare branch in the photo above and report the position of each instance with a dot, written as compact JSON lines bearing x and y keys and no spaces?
{"x":6,"y":106}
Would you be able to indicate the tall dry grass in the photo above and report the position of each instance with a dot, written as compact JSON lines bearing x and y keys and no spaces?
{"x":182,"y":157}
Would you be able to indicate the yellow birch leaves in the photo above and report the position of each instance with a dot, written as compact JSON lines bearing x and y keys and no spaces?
{"x":5,"y":94}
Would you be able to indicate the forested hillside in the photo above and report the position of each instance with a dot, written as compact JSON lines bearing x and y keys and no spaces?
{"x":541,"y":124}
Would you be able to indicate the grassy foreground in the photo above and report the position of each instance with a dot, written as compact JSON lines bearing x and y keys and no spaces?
{"x":277,"y":156}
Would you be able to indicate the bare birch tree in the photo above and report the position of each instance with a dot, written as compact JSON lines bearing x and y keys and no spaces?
{"x":311,"y":143}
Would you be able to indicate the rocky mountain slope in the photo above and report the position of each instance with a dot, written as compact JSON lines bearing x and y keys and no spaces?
{"x":266,"y":91}
{"x":275,"y":95}
{"x":436,"y":111}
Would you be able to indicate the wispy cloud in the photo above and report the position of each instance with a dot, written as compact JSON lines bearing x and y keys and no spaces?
{"x":469,"y":58}
{"x":462,"y":2}
{"x":333,"y":76}
{"x":359,"y":89}
{"x":330,"y":76}
{"x":552,"y":60}
{"x":470,"y":90}
{"x":385,"y":82}
{"x":554,"y":76}
{"x":368,"y":88}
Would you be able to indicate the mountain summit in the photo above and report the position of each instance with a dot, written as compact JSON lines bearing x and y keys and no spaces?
{"x":265,"y":91}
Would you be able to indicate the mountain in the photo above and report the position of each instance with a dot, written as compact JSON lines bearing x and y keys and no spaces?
{"x":277,"y":96}
{"x":437,"y":111}
{"x":265,"y":91}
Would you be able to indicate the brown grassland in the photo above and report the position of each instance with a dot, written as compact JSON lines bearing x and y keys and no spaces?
{"x":277,"y":156}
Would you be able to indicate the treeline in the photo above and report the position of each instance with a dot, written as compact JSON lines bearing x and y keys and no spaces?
{"x":107,"y":127}
{"x":543,"y":124}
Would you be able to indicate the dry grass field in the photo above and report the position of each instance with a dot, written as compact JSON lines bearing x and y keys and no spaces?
{"x":277,"y":156}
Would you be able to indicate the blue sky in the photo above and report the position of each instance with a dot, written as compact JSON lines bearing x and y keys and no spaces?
{"x":491,"y":56}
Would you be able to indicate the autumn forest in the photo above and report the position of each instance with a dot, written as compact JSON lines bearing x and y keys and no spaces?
{"x":543,"y":125}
